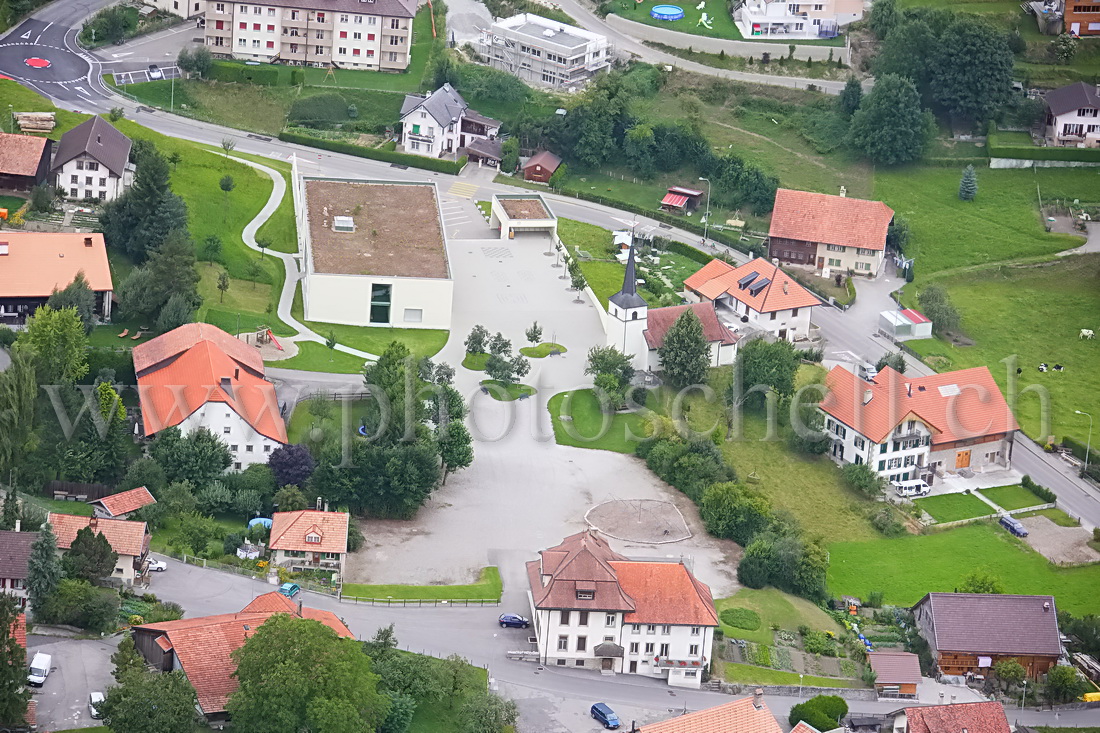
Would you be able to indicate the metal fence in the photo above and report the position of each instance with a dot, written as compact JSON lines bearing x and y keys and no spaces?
{"x":357,"y":600}
{"x":248,"y":573}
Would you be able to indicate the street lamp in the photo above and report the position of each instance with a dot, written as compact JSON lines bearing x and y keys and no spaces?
{"x":1088,"y":445}
{"x":706,"y":222}
{"x":800,"y":686}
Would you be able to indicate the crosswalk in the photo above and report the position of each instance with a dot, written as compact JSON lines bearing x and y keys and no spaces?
{"x":463,"y":189}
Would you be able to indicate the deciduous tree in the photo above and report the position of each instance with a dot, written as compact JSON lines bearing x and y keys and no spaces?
{"x":972,"y":71}
{"x":148,"y":702}
{"x":478,"y":340}
{"x":685,"y":354}
{"x":890,"y":125}
{"x":290,"y":499}
{"x":60,"y":345}
{"x":455,"y":447}
{"x":864,"y":479}
{"x":1064,"y":684}
{"x":609,"y":360}
{"x":761,"y":368}
{"x":534,"y":333}
{"x":199,"y":456}
{"x":981,"y":580}
{"x":935,"y":303}
{"x":292,"y":464}
{"x":77,"y":294}
{"x":485,"y":712}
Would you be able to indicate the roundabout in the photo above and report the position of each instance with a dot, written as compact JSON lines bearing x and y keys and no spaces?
{"x":42,"y":59}
{"x":37,"y":63}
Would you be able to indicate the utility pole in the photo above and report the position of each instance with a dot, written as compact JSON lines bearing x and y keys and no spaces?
{"x":706,"y":221}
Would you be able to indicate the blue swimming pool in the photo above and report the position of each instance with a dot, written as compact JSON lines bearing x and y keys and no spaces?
{"x":667,"y":12}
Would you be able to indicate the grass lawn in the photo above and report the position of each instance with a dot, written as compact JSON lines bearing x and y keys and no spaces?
{"x":165,"y":537}
{"x":763,"y":675}
{"x":302,"y":422}
{"x":280,"y":229}
{"x":443,"y":716}
{"x":487,"y":587}
{"x":1002,"y":223}
{"x":1011,"y":497}
{"x":315,"y":357}
{"x":908,"y":567}
{"x":542,"y":350}
{"x":590,"y":427}
{"x":784,"y":67}
{"x":475,"y":362}
{"x":23,"y":99}
{"x":1007,"y":312}
{"x":502,"y":392}
{"x":951,"y":507}
{"x":1055,"y":515}
{"x":774,"y":607}
{"x":722,"y":25}
{"x":79,"y":508}
{"x":250,"y":299}
{"x":12,"y":204}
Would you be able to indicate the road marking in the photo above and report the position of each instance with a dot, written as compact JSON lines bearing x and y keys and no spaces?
{"x":39,"y":38}
{"x":463,"y":190}
{"x":26,"y":35}
{"x":120,"y":55}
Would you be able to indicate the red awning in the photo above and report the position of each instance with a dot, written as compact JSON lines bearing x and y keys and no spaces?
{"x":672,"y":199}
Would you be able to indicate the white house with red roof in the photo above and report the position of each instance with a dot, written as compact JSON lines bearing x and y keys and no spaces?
{"x":310,"y":539}
{"x":757,"y":293}
{"x":829,"y":233}
{"x":596,"y":609}
{"x":912,"y":428}
{"x":198,"y":376}
{"x":633,"y":328}
{"x":129,"y":539}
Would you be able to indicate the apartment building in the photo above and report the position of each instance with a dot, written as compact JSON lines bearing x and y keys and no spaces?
{"x":795,"y":20}
{"x":543,"y":51}
{"x":346,"y":34}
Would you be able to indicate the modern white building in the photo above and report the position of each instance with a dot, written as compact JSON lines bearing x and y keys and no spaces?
{"x":442,"y":124}
{"x":375,"y":254}
{"x":633,"y":328}
{"x":543,"y":51}
{"x":596,"y":609}
{"x":518,"y":214}
{"x":919,"y":428}
{"x":198,"y":377}
{"x":795,"y":20}
{"x":758,"y":294}
{"x":92,"y":161}
{"x":904,"y":324}
{"x":1073,"y":114}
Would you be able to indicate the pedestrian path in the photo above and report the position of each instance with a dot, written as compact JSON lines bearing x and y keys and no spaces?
{"x":463,"y":190}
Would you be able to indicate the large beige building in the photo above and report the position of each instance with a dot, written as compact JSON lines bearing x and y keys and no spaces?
{"x":347,"y":34}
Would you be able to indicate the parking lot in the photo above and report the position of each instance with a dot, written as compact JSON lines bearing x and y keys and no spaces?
{"x":142,"y":75}
{"x":78,"y":667}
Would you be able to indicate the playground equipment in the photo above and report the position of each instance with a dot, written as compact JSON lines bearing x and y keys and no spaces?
{"x":704,"y":21}
{"x":667,"y":12}
{"x":273,"y":340}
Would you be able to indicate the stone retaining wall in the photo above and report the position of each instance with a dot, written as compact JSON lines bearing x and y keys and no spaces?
{"x":1022,"y":163}
{"x":793,"y":691}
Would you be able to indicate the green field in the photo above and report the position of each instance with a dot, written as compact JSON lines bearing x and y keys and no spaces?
{"x":1057,"y":516}
{"x":302,"y":422}
{"x":590,"y":427}
{"x":487,"y":587}
{"x":1011,"y":497}
{"x":953,"y":507}
{"x":908,"y":567}
{"x":774,"y":607}
{"x":78,"y":508}
{"x":765,"y":676}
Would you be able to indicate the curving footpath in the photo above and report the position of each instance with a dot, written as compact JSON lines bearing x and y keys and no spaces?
{"x":290,"y":264}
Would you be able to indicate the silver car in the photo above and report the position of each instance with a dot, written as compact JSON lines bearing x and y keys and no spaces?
{"x":94,"y":701}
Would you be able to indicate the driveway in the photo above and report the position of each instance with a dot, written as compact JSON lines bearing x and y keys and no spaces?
{"x":80,"y":666}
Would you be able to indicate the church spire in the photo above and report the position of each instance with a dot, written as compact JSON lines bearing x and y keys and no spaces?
{"x":628,"y":297}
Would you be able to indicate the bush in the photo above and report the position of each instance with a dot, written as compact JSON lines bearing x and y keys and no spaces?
{"x":340,"y":146}
{"x":7,"y":336}
{"x":1041,"y":491}
{"x":818,"y":642}
{"x":320,"y":110}
{"x":741,"y":618}
{"x":884,"y":521}
{"x":690,"y":466}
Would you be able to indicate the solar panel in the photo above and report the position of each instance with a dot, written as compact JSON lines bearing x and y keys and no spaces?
{"x":756,"y":287}
{"x":744,"y":282}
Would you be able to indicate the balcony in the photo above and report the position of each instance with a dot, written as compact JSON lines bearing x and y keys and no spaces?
{"x":672,"y":663}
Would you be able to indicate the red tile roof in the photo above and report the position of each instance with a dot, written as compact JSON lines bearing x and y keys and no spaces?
{"x":20,"y":154}
{"x":993,"y":624}
{"x":289,"y":530}
{"x":718,"y":278}
{"x":957,"y":405}
{"x":181,"y":374}
{"x":204,"y":645}
{"x":37,"y":263}
{"x":820,"y":217}
{"x":739,"y":716}
{"x":665,"y":593}
{"x":973,"y":717}
{"x":894,"y":668}
{"x":660,"y":320}
{"x":804,"y":727}
{"x":31,"y":718}
{"x":125,"y":501}
{"x":126,"y":537}
{"x":19,"y":630}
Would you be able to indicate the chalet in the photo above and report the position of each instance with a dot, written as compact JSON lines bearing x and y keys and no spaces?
{"x":442,"y":124}
{"x":129,"y":539}
{"x":829,"y":234}
{"x":93,"y":162}
{"x":969,"y":632}
{"x":1073,"y":115}
{"x":596,"y":609}
{"x":310,"y":540}
{"x":122,"y":504}
{"x":24,"y":160}
{"x":897,"y":674}
{"x":34,"y":264}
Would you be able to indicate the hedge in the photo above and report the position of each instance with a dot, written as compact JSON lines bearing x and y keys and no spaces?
{"x":1034,"y":152}
{"x":688,"y":251}
{"x":1078,"y":448}
{"x":953,"y":162}
{"x":413,"y":161}
{"x":242,"y":74}
{"x":1041,"y":491}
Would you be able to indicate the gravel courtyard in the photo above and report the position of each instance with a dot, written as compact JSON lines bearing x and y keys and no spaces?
{"x":1060,"y":545}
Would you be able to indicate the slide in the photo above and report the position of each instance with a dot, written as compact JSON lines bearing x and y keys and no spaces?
{"x":274,"y":340}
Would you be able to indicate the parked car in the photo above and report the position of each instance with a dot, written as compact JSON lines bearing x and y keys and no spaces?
{"x":605,"y":715}
{"x":1014,"y":526}
{"x":290,"y":589}
{"x":40,"y":669}
{"x":94,"y":700}
{"x":867,"y":371}
{"x":911,"y":488}
{"x":158,"y":565}
{"x":155,"y":73}
{"x":514,"y":621}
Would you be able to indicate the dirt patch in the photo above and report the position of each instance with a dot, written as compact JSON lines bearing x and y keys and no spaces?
{"x":648,"y":521}
{"x":1060,"y":545}
{"x":396,"y":229}
{"x":524,"y":208}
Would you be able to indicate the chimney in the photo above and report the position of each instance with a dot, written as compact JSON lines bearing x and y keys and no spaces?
{"x":87,"y":241}
{"x":952,"y":700}
{"x":909,"y":389}
{"x":326,"y":506}
{"x":785,"y":291}
{"x":843,"y":191}
{"x":1046,"y":606}
{"x":93,"y":523}
{"x":318,"y":503}
{"x":758,"y":698}
{"x":18,"y":524}
{"x":866,"y":396}
{"x":3,"y":249}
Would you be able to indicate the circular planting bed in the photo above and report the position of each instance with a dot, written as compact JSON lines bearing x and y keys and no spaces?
{"x":639,"y":520}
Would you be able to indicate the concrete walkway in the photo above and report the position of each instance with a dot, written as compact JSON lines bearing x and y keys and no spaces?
{"x":1092,"y":241}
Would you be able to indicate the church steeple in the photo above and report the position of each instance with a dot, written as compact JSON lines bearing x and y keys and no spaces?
{"x":628,"y":297}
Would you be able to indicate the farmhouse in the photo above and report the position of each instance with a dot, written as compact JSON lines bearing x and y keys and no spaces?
{"x":758,"y":294}
{"x":1073,"y":115}
{"x":442,"y":124}
{"x":525,"y":213}
{"x":896,"y":673}
{"x":910,"y":428}
{"x":747,"y":715}
{"x":127,"y":538}
{"x":310,"y":540}
{"x":973,"y":717}
{"x":24,"y":160}
{"x":93,"y":162}
{"x":633,"y":328}
{"x":122,"y":504}
{"x":596,"y":609}
{"x":375,"y":254}
{"x":199,"y":377}
{"x":829,"y":233}
{"x":203,"y":647}
{"x":970,"y":632}
{"x":34,"y":264}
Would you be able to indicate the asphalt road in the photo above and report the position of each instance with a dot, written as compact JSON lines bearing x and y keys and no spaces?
{"x":79,"y":666}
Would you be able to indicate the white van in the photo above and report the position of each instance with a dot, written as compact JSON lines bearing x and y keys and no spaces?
{"x":911,"y":488}
{"x":40,"y":669}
